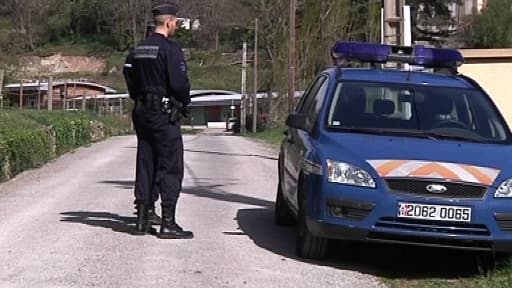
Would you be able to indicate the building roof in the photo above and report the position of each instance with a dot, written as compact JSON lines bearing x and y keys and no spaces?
{"x":224,"y":100}
{"x":106,"y":96}
{"x":43,"y":86}
{"x":197,"y":93}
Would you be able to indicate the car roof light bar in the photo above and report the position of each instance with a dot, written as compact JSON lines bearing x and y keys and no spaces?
{"x":344,"y":52}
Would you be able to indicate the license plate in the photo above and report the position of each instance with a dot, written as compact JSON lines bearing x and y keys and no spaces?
{"x":434,"y":212}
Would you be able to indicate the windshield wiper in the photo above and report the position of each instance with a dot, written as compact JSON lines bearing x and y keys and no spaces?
{"x":389,"y":132}
{"x":475,"y":139}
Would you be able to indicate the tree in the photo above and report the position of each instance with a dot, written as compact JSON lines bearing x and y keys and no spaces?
{"x":217,"y":17}
{"x":493,"y":28}
{"x":320,"y":23}
{"x":432,"y":20}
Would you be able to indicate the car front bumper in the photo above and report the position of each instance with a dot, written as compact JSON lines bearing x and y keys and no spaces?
{"x":371,"y":215}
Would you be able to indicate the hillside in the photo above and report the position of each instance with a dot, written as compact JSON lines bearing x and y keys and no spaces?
{"x":106,"y":68}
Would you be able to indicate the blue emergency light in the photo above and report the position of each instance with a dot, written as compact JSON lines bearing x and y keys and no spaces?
{"x":379,"y":53}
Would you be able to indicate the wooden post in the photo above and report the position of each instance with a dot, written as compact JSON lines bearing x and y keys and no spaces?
{"x":38,"y":93}
{"x":65,"y":96}
{"x":50,"y":93}
{"x":121,"y":106}
{"x":84,"y":98}
{"x":291,"y":56}
{"x":243,"y":106}
{"x":21,"y":95}
{"x":255,"y":102}
{"x":1,"y":88}
{"x":74,"y":95}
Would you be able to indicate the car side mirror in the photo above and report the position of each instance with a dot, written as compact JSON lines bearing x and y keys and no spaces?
{"x":297,"y":121}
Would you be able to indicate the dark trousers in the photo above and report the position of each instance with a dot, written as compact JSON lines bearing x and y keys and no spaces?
{"x":159,"y":169}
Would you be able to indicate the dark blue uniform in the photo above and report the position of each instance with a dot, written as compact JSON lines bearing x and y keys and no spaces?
{"x":155,"y":69}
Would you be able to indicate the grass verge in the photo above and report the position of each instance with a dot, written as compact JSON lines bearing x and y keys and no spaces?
{"x":273,"y":136}
{"x":500,"y":278}
{"x":29,"y":139}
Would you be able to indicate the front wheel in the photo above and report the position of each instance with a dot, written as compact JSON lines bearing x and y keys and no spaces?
{"x":308,"y":245}
{"x":282,"y":213}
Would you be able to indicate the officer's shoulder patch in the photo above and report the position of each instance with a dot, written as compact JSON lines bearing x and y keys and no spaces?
{"x":146,"y":52}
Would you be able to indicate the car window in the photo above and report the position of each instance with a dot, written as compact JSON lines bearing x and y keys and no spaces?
{"x":316,"y":103}
{"x":310,"y":94}
{"x":466,"y":112}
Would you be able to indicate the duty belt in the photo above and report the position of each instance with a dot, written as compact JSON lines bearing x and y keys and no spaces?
{"x":150,"y":100}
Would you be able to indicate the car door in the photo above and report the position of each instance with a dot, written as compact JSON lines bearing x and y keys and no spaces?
{"x":294,"y":147}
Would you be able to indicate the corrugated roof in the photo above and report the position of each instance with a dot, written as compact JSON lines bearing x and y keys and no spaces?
{"x":44,"y":85}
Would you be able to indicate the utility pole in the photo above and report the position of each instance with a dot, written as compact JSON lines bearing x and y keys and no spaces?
{"x":255,"y":101}
{"x":393,"y":22}
{"x":291,"y":72}
{"x":243,"y":111}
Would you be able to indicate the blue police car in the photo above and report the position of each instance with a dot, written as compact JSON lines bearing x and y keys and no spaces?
{"x":396,"y":155}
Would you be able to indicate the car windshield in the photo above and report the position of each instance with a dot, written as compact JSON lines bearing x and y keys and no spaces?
{"x":416,"y":110}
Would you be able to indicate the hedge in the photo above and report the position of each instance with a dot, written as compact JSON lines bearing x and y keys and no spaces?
{"x":28,"y":139}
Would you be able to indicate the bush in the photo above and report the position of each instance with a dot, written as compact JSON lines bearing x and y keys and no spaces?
{"x":29,"y":139}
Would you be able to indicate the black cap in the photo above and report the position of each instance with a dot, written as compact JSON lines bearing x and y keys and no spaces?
{"x":165,"y":9}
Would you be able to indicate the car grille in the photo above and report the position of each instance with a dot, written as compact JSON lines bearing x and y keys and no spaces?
{"x":474,"y":245}
{"x":451,"y":228}
{"x":419,"y":188}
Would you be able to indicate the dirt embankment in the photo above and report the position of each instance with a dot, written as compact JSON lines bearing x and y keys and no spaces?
{"x":32,"y":65}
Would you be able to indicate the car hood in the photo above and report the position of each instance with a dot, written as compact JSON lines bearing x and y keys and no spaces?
{"x":404,"y":157}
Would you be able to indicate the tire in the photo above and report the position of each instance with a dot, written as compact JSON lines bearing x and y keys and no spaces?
{"x":308,"y":245}
{"x":488,"y":262}
{"x":282,"y":214}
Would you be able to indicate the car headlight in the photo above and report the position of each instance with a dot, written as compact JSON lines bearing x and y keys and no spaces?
{"x":504,"y":190}
{"x":343,"y":173}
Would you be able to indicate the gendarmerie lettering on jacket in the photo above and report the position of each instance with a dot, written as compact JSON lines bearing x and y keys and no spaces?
{"x":146,"y":52}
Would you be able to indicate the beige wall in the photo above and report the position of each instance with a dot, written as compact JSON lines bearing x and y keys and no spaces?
{"x":496,"y":79}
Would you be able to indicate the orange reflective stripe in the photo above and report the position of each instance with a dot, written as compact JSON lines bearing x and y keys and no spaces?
{"x":434,"y":168}
{"x":484,"y":179}
{"x":386,"y":168}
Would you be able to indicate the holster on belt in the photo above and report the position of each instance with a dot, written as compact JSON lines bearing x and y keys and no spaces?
{"x":174,"y":108}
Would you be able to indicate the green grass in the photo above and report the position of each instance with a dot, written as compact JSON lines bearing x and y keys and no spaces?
{"x":188,"y":131}
{"x":273,"y":136}
{"x":215,"y":76}
{"x":116,"y":60}
{"x":498,"y":279}
{"x":82,"y":47}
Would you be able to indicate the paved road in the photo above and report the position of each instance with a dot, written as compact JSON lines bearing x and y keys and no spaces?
{"x":67,"y":224}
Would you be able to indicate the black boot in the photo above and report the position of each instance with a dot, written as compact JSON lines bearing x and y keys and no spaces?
{"x":153,"y":218}
{"x":142,"y":226}
{"x":169,"y":229}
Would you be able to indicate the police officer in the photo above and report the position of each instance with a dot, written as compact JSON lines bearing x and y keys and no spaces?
{"x":156,"y":71}
{"x":153,"y":217}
